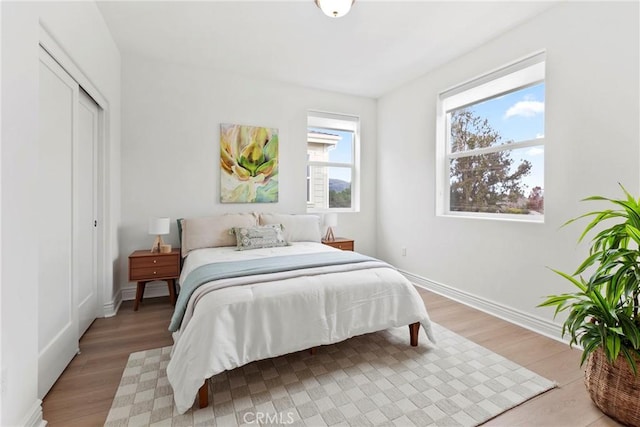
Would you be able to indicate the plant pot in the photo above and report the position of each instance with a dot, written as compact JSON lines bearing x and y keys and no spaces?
{"x":613,"y":388}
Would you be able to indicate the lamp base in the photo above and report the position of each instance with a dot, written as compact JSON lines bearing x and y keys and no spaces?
{"x":155,"y":249}
{"x":329,"y":237}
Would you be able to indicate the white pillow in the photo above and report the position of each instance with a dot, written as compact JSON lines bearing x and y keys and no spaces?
{"x":213,"y":231}
{"x":296,"y":228}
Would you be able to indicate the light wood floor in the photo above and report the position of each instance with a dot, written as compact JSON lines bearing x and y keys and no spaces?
{"x":83,"y":394}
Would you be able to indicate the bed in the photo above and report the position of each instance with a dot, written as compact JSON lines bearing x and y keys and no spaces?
{"x":270,"y":301}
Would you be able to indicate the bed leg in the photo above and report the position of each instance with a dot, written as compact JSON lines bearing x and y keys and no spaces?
{"x":413,"y":333}
{"x":313,"y":350}
{"x":203,"y":395}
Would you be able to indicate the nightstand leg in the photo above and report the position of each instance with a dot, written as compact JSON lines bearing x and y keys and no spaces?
{"x":172,"y":290}
{"x":414,"y":328}
{"x":139,"y":295}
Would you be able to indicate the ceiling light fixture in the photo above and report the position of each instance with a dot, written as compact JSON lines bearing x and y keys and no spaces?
{"x":335,"y":8}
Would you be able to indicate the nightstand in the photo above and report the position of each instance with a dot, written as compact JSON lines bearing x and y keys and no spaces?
{"x":145,"y":267}
{"x":340,"y":243}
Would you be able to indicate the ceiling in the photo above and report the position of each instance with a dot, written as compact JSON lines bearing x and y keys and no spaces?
{"x":375,"y":48}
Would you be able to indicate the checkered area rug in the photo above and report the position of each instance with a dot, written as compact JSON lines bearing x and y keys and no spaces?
{"x":374,"y":379}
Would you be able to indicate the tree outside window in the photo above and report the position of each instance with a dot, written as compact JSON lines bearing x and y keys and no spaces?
{"x":494,"y":146}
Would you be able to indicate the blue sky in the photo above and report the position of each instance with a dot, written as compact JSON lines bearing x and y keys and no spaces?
{"x":519,"y":116}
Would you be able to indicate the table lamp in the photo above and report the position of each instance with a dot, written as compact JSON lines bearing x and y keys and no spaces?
{"x":330,"y":220}
{"x":158,"y":227}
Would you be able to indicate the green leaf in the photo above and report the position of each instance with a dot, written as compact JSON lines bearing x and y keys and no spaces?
{"x":588,"y":262}
{"x":573,"y":280}
{"x":271,"y":148}
{"x":612,"y":348}
{"x":630,"y":331}
{"x":589,"y":345}
{"x":555,"y":300}
{"x":267,"y":168}
{"x":633,"y":232}
{"x":251,"y":157}
{"x":630,"y":198}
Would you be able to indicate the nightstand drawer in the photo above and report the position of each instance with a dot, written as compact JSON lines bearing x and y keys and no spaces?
{"x":340,"y":243}
{"x":153,"y":261}
{"x":345,"y":246}
{"x":148,"y":273}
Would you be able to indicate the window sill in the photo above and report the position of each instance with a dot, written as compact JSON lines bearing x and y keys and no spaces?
{"x":329,"y":210}
{"x":534,"y":219}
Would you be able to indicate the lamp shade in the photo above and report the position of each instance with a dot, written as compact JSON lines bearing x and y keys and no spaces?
{"x":158,"y":226}
{"x":335,"y":8}
{"x":331,"y":219}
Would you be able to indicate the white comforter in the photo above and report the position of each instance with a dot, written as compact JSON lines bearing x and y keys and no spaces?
{"x":231,"y":327}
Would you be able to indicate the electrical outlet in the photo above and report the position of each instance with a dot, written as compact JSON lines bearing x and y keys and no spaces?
{"x":404,"y":251}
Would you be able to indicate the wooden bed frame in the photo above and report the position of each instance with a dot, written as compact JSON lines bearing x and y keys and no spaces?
{"x":203,"y":392}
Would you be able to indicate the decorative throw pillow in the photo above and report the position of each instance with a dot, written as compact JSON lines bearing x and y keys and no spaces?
{"x":266,"y":236}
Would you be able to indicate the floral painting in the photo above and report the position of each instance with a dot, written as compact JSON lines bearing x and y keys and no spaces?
{"x":248,"y":164}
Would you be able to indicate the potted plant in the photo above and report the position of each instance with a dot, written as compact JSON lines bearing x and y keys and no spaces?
{"x":603,"y":312}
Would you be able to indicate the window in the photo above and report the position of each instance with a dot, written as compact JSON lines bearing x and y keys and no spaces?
{"x":332,"y":162}
{"x":490,"y":144}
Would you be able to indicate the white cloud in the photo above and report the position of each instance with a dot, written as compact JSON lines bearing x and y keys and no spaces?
{"x":535,"y":151}
{"x":539,"y":135}
{"x":525,"y":109}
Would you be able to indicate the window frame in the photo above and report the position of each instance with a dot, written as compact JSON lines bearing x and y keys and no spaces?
{"x":520,"y":74}
{"x":337,"y":122}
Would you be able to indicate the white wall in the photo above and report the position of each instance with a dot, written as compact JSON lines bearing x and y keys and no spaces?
{"x":170,"y":147}
{"x":592,"y":142}
{"x":80,"y":30}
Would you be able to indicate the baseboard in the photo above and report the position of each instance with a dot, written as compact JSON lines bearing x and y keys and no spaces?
{"x":111,"y":308}
{"x":536,"y":324}
{"x":152,"y":290}
{"x":34,"y":417}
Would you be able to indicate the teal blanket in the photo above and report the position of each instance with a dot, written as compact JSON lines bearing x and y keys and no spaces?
{"x":227,"y":270}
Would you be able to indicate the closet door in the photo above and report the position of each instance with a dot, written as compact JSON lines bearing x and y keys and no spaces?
{"x":86,"y":205}
{"x":57,"y":311}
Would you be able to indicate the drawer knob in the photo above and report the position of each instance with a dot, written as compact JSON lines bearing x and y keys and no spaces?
{"x":154,"y":272}
{"x":154,"y":261}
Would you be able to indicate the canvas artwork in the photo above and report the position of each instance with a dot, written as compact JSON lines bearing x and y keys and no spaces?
{"x":248,"y":164}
